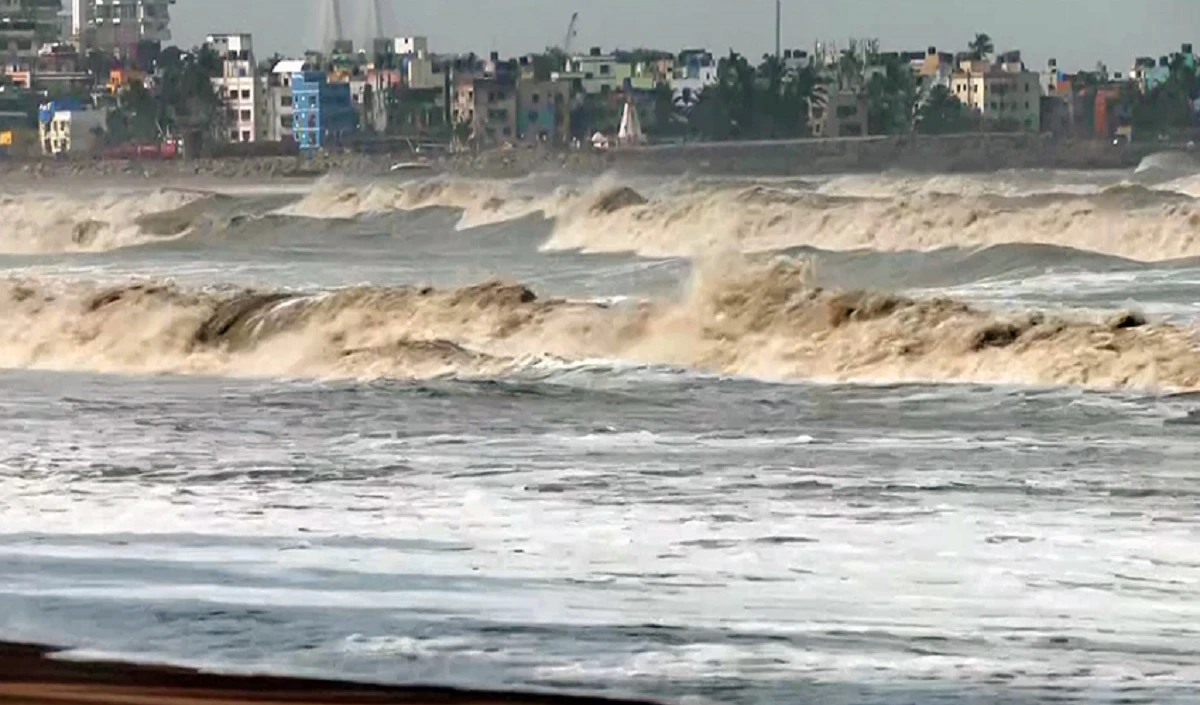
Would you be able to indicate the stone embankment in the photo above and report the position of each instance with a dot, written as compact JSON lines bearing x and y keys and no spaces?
{"x":949,"y":154}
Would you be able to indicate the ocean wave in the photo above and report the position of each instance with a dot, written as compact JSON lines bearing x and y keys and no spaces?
{"x":1125,"y":221}
{"x":762,"y":320}
{"x":695,"y":219}
{"x":482,"y":202}
{"x":39,"y":223}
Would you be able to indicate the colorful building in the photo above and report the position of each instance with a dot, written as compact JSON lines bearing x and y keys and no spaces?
{"x":322,"y":112}
{"x":64,"y":127}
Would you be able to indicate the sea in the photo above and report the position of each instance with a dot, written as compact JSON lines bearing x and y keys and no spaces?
{"x":878,"y":439}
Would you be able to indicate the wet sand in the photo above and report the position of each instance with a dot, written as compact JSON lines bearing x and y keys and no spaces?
{"x":29,"y":675}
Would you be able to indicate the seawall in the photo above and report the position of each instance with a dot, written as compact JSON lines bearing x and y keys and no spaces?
{"x":944,"y":154}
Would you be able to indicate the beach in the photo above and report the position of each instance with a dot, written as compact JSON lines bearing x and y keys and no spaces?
{"x":31,"y":675}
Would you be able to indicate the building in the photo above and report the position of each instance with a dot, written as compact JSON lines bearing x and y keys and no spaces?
{"x":843,"y":115}
{"x":322,"y":112}
{"x":118,"y":26}
{"x":1001,"y":91}
{"x":18,"y":41}
{"x":42,"y":14}
{"x":488,"y":106}
{"x":595,"y":73}
{"x":695,"y":71}
{"x":934,"y":68}
{"x":543,"y":112}
{"x":239,"y":87}
{"x":277,"y":92}
{"x":69,"y":129}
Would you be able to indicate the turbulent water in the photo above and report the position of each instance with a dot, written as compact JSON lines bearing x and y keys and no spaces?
{"x":872,"y":439}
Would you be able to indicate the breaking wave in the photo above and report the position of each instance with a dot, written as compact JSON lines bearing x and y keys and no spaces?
{"x":1127,"y":221}
{"x":482,"y":202}
{"x":38,"y":223}
{"x":763,"y":320}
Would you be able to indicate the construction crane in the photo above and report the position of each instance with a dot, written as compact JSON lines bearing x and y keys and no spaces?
{"x":566,"y":45}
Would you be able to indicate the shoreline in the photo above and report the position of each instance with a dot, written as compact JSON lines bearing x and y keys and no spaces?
{"x":31,"y":675}
{"x":951,"y":154}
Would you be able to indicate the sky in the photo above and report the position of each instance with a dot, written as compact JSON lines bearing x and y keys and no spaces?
{"x":1076,"y":32}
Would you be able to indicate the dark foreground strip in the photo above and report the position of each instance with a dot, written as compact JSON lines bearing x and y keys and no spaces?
{"x":29,"y":675}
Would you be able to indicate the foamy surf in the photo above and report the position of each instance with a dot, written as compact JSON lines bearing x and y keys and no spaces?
{"x":40,"y":223}
{"x":765,"y":321}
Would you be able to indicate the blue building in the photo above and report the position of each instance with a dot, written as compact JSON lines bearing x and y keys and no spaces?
{"x":322,"y":112}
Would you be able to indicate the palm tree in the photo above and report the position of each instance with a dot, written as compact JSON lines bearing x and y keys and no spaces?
{"x":982,"y":46}
{"x":892,"y":97}
{"x":942,"y":113}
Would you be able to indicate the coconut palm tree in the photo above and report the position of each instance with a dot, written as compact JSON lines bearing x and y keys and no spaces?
{"x":982,"y":46}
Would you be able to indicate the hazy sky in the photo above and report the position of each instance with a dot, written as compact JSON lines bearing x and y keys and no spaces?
{"x":1077,"y":32}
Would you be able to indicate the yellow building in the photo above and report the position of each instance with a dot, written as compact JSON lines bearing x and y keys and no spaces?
{"x":1000,"y":92}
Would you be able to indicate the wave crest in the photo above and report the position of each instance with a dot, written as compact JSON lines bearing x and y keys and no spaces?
{"x":764,"y":320}
{"x":1130,"y":222}
{"x":44,"y":223}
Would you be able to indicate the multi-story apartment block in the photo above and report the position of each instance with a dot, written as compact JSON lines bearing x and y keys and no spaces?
{"x":1002,"y":90}
{"x":42,"y":14}
{"x":239,"y":87}
{"x":118,"y":26}
{"x":278,"y":116}
{"x":18,"y":42}
{"x":488,"y":106}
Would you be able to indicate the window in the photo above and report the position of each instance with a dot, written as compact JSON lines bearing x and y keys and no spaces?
{"x":246,"y":93}
{"x":233,"y":135}
{"x":285,"y":123}
{"x":245,"y":115}
{"x":533,"y":116}
{"x":285,"y":101}
{"x":1027,"y":105}
{"x":536,"y":99}
{"x":507,"y":132}
{"x":847,"y":111}
{"x":605,"y":69}
{"x":245,"y":135}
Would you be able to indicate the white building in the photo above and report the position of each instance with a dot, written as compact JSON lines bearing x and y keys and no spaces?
{"x":239,"y":87}
{"x":406,"y":46}
{"x":278,"y":115}
{"x":118,"y":25}
{"x":73,"y":131}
